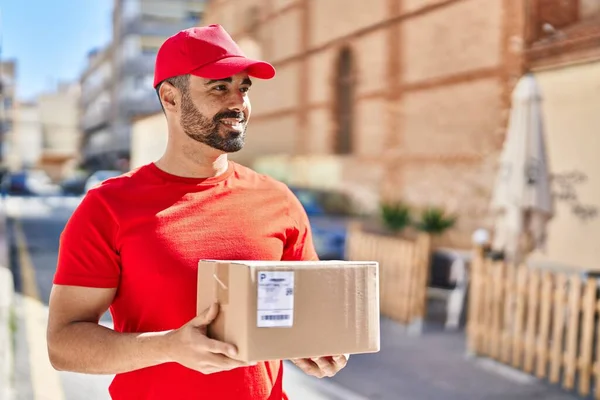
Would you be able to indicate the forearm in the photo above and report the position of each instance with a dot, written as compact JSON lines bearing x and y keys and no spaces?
{"x":87,"y":347}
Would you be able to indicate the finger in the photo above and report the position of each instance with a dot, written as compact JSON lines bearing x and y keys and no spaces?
{"x":224,"y":363}
{"x":206,"y":316}
{"x":308,"y":366}
{"x":218,"y":347}
{"x":341,"y":360}
{"x":326,"y":364}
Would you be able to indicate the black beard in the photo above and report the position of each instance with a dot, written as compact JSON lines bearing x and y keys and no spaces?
{"x":207,"y":131}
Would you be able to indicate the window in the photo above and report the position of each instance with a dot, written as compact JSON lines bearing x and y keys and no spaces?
{"x":561,"y":31}
{"x":151,"y":44}
{"x":555,"y":13}
{"x":149,"y":50}
{"x":6,"y":126}
{"x":193,"y":17}
{"x":344,"y":92}
{"x":131,"y":9}
{"x":130,"y":47}
{"x":138,"y":86}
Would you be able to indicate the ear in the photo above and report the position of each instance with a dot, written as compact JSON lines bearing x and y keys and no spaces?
{"x":169,"y":96}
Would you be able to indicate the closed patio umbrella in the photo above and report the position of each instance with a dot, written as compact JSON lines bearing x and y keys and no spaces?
{"x":522,"y":199}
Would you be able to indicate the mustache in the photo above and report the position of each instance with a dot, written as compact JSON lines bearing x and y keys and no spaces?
{"x":229,"y":114}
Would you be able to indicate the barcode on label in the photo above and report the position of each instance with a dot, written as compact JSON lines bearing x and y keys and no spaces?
{"x":280,"y":317}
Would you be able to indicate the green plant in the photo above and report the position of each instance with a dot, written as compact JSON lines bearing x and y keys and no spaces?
{"x":435,"y":221}
{"x":396,"y":216}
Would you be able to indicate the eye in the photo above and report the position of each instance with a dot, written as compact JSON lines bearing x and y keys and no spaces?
{"x":245,"y":89}
{"x":220,"y":88}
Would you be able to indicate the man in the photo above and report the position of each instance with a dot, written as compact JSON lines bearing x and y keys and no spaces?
{"x":134,"y":242}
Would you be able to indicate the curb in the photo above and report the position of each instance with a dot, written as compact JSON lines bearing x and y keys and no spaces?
{"x":6,"y":334}
{"x":7,"y":292}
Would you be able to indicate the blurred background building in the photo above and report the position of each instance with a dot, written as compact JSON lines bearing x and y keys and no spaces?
{"x":7,"y":108}
{"x":117,"y":86}
{"x":26,"y":142}
{"x":95,"y":102}
{"x":45,"y":133}
{"x":59,"y":123}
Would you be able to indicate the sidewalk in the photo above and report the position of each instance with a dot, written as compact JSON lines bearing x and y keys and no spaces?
{"x":6,"y":315}
{"x":434,"y":366}
{"x":6,"y":333}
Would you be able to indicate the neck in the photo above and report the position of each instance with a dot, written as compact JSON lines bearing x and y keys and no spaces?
{"x":193,"y":160}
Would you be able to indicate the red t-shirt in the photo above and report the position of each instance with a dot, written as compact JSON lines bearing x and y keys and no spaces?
{"x":144,"y":233}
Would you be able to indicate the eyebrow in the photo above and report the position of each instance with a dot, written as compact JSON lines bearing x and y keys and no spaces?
{"x":246,"y":81}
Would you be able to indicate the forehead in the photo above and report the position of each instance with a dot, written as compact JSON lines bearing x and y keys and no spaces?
{"x":240,"y":78}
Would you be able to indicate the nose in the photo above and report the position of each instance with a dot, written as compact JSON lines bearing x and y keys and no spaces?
{"x":238,"y":102}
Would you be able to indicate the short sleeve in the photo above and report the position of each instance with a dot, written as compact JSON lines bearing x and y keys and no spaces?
{"x":87,"y":254}
{"x":299,"y":241}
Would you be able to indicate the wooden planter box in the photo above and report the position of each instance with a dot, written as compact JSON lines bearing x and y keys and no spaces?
{"x":403,"y":271}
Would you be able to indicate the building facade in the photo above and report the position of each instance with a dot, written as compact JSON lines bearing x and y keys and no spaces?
{"x":564,"y":55}
{"x":95,"y":104}
{"x":117,"y":84}
{"x":61,"y":137}
{"x":407,"y":98}
{"x":139,"y":29}
{"x":149,"y":136}
{"x":27,"y":142}
{"x":7,"y":109}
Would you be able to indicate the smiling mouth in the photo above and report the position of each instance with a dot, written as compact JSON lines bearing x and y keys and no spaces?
{"x":235,"y":124}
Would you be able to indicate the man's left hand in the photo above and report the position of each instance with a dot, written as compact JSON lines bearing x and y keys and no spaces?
{"x":323,"y":366}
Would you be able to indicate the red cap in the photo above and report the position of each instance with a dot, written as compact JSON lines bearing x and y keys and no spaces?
{"x":208,"y":52}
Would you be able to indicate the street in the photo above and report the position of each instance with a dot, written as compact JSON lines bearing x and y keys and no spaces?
{"x":34,"y":227}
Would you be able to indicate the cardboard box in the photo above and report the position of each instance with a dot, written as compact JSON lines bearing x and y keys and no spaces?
{"x":274,"y":310}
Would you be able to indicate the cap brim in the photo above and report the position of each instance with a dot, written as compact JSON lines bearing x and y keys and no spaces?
{"x":230,"y":66}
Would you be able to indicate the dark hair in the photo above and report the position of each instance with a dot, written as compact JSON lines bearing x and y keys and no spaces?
{"x":181,"y":82}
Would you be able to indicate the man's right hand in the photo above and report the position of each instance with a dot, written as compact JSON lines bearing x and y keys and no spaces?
{"x":190,"y":346}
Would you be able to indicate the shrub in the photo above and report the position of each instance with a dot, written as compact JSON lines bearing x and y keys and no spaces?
{"x":435,"y":221}
{"x":396,"y":216}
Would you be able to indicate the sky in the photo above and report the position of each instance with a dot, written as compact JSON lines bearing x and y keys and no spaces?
{"x":50,"y":39}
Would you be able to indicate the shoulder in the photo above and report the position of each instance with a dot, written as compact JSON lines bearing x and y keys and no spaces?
{"x":122,"y":184}
{"x":277,"y":188}
{"x":261,"y":181}
{"x":113,"y":193}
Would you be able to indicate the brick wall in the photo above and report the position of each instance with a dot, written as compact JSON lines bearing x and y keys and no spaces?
{"x":431,"y":91}
{"x":335,"y":19}
{"x":588,"y":8}
{"x":459,"y":38}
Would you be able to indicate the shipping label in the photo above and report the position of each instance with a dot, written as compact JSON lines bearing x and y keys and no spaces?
{"x":275,"y":299}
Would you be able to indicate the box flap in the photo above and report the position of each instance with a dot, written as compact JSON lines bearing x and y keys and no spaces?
{"x":300,"y":264}
{"x":213,"y":280}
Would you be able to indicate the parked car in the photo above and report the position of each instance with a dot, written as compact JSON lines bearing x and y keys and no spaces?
{"x":329,"y":213}
{"x":74,"y":185}
{"x":40,"y":184}
{"x":28,"y":183}
{"x":15,"y":184}
{"x":100,"y":176}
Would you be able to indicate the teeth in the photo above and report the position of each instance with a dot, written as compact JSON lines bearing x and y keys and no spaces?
{"x":232,"y":123}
